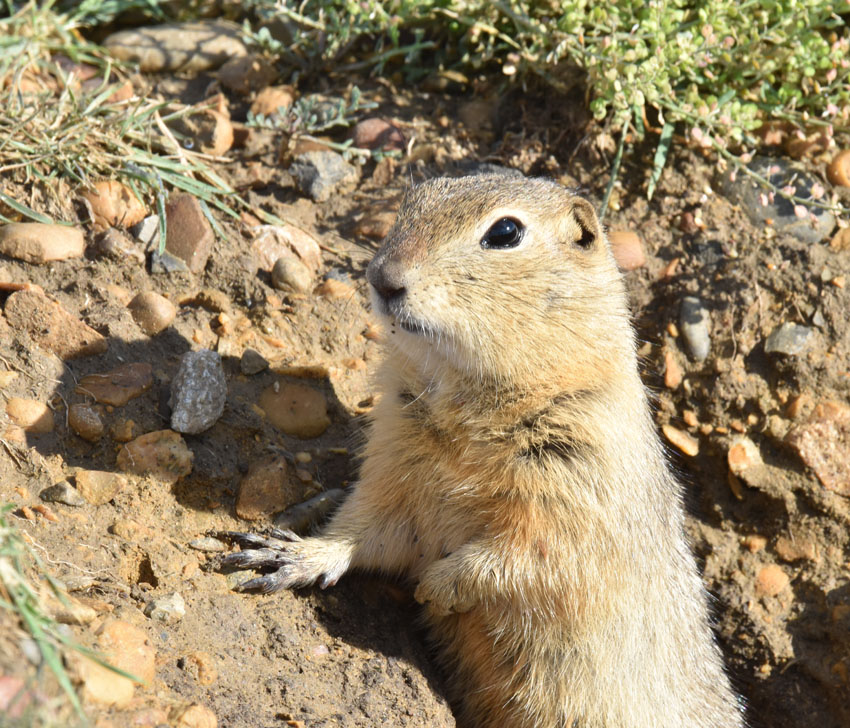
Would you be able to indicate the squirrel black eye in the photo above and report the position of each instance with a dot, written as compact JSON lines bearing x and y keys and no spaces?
{"x":506,"y":233}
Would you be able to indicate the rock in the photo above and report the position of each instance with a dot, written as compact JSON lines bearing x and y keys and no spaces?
{"x":743,"y":454}
{"x":809,"y":224}
{"x":162,"y":454}
{"x":208,"y":130}
{"x":116,"y":245}
{"x":694,"y":323}
{"x":151,"y":312}
{"x":113,"y":204}
{"x":167,"y":263}
{"x":754,"y":543}
{"x":334,"y":288}
{"x":375,"y":226}
{"x":771,"y":580}
{"x":169,"y":609}
{"x":247,"y":74}
{"x":118,"y":386}
{"x":35,"y":242}
{"x":193,"y":716}
{"x":202,"y":666}
{"x":672,"y":371}
{"x":147,"y":230}
{"x":296,"y":409}
{"x":823,"y":443}
{"x":130,"y":530}
{"x":838,"y":171}
{"x":320,"y":174}
{"x":189,"y":235}
{"x":272,"y":99}
{"x":290,"y":274}
{"x":791,"y":550}
{"x":123,"y":430}
{"x":62,"y":493}
{"x":186,"y":47}
{"x":30,"y":415}
{"x":266,"y":489}
{"x":374,"y":133}
{"x":208,"y":544}
{"x":198,"y":392}
{"x":252,"y":362}
{"x":273,"y":242}
{"x":99,"y":486}
{"x":126,"y":647}
{"x":209,"y":298}
{"x":841,"y":240}
{"x":681,"y":440}
{"x":51,"y":327}
{"x":789,"y":339}
{"x":15,"y":699}
{"x":627,"y":249}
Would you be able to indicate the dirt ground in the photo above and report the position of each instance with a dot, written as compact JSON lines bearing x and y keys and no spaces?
{"x":353,"y":655}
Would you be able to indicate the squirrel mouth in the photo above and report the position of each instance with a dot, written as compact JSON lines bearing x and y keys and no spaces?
{"x":414,"y":327}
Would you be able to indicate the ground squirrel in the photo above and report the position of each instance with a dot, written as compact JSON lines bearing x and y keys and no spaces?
{"x":514,"y":474}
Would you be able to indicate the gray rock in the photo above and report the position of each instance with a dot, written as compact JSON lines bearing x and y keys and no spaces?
{"x":188,"y":47}
{"x":747,"y":193}
{"x":167,"y":263}
{"x":114,"y":244}
{"x":62,"y":493}
{"x":235,"y":579}
{"x":695,"y":323}
{"x":169,"y":609}
{"x":208,"y":545}
{"x":252,"y":362}
{"x":198,"y":392}
{"x":790,"y":339}
{"x":320,"y":173}
{"x":147,"y":230}
{"x":290,"y":274}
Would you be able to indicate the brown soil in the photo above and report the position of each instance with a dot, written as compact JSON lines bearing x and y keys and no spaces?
{"x":352,"y":655}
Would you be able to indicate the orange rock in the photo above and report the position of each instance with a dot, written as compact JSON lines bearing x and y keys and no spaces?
{"x":162,"y":454}
{"x":296,"y":409}
{"x":771,"y":580}
{"x":119,"y":386}
{"x":113,"y":204}
{"x":35,"y":242}
{"x":681,"y":440}
{"x":273,"y":98}
{"x":627,"y":249}
{"x":266,"y":489}
{"x":672,"y":371}
{"x":838,"y":171}
{"x":31,"y":415}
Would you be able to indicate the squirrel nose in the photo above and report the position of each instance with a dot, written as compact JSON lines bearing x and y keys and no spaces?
{"x":387,"y":277}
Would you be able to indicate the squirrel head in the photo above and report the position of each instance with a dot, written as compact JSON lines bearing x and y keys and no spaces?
{"x":504,"y":278}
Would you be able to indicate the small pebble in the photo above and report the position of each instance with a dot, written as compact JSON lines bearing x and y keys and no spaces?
{"x":375,"y":133}
{"x":247,"y":74}
{"x":838,"y":171}
{"x":754,"y":543}
{"x":276,"y":241}
{"x":743,"y":454}
{"x":672,"y":371}
{"x":168,"y":264}
{"x":252,"y":362}
{"x":151,"y":312}
{"x":789,"y":339}
{"x":235,"y":579}
{"x":118,"y":386}
{"x":289,"y":274}
{"x":189,"y":235}
{"x":208,"y":544}
{"x":681,"y":440}
{"x":694,"y":323}
{"x":116,"y":245}
{"x":30,"y":415}
{"x":35,"y":242}
{"x":273,"y":99}
{"x":169,"y":609}
{"x":296,"y":409}
{"x":198,"y":392}
{"x":321,"y":174}
{"x":771,"y":580}
{"x":627,"y":249}
{"x":266,"y":489}
{"x":113,"y":204}
{"x":162,"y":454}
{"x":62,"y":493}
{"x":146,"y":231}
{"x":99,"y":486}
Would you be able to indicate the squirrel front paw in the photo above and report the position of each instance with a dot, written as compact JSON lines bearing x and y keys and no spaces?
{"x":441,"y":591}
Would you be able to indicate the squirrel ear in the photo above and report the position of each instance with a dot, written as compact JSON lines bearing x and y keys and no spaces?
{"x":589,"y":229}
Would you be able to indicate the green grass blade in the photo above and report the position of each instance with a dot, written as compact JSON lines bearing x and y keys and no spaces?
{"x":23,"y":209}
{"x":661,"y":152}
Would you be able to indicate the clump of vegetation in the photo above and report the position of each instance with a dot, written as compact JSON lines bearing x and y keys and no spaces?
{"x":710,"y":72}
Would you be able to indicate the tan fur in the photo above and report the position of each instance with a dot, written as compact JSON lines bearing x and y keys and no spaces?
{"x":514,"y":474}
